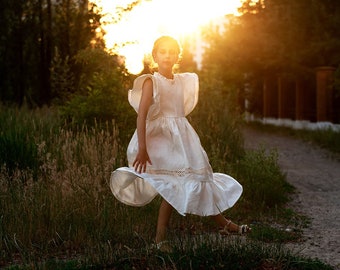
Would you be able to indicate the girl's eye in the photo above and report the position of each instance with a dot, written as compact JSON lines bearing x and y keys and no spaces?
{"x":171,"y":52}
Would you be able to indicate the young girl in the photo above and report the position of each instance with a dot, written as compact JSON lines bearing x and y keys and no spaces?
{"x":165,"y":154}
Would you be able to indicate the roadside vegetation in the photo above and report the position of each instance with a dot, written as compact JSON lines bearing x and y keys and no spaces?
{"x":57,"y":211}
{"x":325,"y":138}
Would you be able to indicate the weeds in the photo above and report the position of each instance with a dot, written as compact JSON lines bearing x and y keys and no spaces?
{"x":325,"y":138}
{"x":193,"y":253}
{"x":265,"y":182}
{"x":58,"y":212}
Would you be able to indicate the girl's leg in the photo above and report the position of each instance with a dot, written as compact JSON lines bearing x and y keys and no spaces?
{"x":223,"y":222}
{"x":164,"y":215}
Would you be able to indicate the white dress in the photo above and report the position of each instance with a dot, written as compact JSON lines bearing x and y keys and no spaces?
{"x":180,"y":170}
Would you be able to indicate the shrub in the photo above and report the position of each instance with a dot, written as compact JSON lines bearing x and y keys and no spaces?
{"x":261,"y":176}
{"x":102,"y":91}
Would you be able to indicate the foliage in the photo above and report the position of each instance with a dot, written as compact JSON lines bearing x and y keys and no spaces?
{"x":217,"y":116}
{"x":17,"y":147}
{"x":102,"y":93}
{"x":34,"y":34}
{"x":271,"y":234}
{"x":217,"y":120}
{"x":281,"y":30}
{"x":62,"y":79}
{"x":68,"y":210}
{"x":20,"y":130}
{"x":263,"y":178}
{"x":203,"y":252}
{"x":274,"y":38}
{"x":325,"y":138}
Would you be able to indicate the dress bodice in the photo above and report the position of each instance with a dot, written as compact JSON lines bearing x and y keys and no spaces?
{"x":171,"y":96}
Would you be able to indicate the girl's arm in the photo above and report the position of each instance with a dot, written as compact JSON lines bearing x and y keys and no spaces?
{"x":142,"y":155}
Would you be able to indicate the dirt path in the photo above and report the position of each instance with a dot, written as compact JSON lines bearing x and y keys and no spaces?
{"x":316,"y":177}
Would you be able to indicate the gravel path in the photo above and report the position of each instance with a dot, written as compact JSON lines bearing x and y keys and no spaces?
{"x":316,"y":176}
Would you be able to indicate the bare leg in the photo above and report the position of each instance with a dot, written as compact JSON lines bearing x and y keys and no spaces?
{"x":164,"y":215}
{"x":222,"y":222}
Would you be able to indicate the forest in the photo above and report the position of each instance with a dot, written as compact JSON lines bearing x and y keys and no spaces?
{"x":51,"y":54}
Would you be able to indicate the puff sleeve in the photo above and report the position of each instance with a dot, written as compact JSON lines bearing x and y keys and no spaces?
{"x":190,"y":91}
{"x":135,"y":95}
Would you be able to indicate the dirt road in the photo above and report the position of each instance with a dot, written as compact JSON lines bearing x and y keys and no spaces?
{"x":316,"y":176}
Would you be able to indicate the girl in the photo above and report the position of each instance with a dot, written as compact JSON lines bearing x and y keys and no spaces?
{"x":165,"y":154}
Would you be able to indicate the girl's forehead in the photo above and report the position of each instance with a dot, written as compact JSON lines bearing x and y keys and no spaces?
{"x":167,"y":44}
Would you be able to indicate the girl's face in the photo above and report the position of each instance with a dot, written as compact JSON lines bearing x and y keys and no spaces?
{"x":166,"y":56}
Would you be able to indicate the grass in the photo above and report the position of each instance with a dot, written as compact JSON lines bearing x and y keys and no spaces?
{"x":57,"y":211}
{"x":325,"y":138}
{"x":194,"y":253}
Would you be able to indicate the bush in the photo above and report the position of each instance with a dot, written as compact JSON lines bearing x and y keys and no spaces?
{"x":217,"y":122}
{"x":20,"y":131}
{"x":102,"y":92}
{"x":262,"y":178}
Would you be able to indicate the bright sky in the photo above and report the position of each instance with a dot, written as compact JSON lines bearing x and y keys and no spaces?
{"x":153,"y":18}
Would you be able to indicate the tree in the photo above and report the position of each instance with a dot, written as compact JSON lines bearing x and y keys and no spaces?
{"x":275,"y":37}
{"x":31,"y":32}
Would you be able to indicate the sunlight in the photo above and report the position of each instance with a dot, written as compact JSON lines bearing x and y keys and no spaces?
{"x":134,"y":34}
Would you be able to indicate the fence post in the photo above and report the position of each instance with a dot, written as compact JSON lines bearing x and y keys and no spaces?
{"x":324,"y":94}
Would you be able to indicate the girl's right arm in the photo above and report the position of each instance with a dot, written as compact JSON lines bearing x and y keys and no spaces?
{"x":146,"y":100}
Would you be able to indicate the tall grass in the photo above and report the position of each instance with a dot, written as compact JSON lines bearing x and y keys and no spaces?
{"x":266,"y":184}
{"x":64,"y":199}
{"x":57,"y":209}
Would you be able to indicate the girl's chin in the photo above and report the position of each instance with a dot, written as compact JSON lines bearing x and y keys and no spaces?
{"x":166,"y":66}
{"x":167,"y":63}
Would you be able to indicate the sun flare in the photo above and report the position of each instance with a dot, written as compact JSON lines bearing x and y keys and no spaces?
{"x":135,"y":32}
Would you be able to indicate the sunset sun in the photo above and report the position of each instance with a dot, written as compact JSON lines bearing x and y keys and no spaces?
{"x":132,"y":36}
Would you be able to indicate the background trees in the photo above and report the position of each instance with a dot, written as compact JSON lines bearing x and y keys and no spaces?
{"x":38,"y":39}
{"x":50,"y":51}
{"x":275,"y":37}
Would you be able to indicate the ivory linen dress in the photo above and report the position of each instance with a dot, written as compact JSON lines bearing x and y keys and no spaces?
{"x":180,"y":170}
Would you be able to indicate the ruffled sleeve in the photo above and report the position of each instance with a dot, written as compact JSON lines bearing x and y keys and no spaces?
{"x":135,"y":95}
{"x":190,"y":90}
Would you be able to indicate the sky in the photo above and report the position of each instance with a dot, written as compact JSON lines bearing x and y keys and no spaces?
{"x":136,"y":31}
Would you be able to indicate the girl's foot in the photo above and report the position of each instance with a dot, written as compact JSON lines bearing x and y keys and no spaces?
{"x":232,"y":228}
{"x":163,"y":246}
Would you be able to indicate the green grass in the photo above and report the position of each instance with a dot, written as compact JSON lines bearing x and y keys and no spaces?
{"x":193,"y":253}
{"x":57,"y":211}
{"x":324,"y":138}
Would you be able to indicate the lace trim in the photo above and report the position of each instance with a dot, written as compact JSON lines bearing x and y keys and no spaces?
{"x":179,"y":172}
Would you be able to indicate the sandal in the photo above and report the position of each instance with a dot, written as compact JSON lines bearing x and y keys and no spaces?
{"x":163,"y":246}
{"x":242,"y":229}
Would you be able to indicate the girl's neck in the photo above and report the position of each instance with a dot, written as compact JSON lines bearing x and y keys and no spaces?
{"x":166,"y":74}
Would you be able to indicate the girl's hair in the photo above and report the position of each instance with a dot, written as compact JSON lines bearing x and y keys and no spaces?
{"x":157,"y":43}
{"x":168,"y":39}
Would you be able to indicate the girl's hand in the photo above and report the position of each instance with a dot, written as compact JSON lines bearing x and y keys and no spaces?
{"x":141,"y":161}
